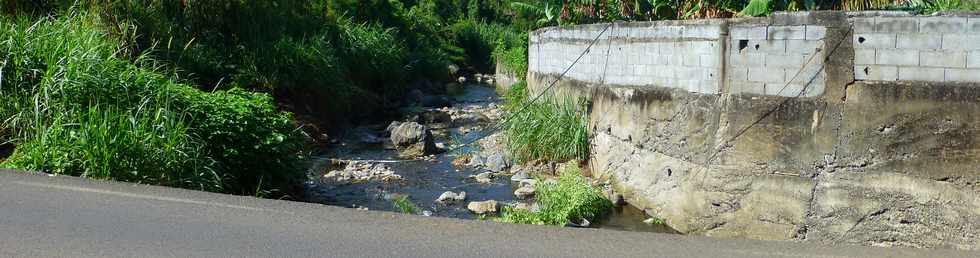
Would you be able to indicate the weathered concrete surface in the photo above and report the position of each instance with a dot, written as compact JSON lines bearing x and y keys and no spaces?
{"x":865,"y":171}
{"x":824,"y":157}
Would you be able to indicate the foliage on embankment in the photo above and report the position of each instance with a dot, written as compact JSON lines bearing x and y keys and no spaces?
{"x":550,"y":129}
{"x":75,"y":105}
{"x":570,"y":199}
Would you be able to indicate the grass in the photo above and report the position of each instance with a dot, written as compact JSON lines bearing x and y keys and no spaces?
{"x":404,"y":205}
{"x":570,"y":199}
{"x":548,"y":129}
{"x":73,"y":102}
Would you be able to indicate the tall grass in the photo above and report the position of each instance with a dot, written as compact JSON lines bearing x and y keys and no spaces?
{"x":570,"y":199}
{"x":553,"y":129}
{"x":72,"y":104}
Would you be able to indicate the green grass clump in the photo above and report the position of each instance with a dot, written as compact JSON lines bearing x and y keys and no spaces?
{"x":404,"y":205}
{"x":548,"y":129}
{"x":72,"y":102}
{"x":572,"y":198}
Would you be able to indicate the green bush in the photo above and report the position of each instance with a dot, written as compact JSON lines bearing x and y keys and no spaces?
{"x":552,"y":129}
{"x":571,"y":198}
{"x":72,"y":106}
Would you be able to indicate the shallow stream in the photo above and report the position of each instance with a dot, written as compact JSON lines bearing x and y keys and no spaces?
{"x":423,"y":180}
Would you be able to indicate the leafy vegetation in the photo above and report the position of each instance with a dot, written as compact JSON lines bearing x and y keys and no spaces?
{"x":74,"y":105}
{"x":570,"y":199}
{"x":404,"y":205}
{"x":552,"y":129}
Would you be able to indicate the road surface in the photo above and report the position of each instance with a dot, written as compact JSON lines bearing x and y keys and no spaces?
{"x":60,"y":216}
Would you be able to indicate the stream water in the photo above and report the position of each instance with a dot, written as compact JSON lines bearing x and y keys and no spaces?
{"x":424,"y":180}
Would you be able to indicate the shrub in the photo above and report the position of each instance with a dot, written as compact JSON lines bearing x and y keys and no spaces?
{"x":548,"y":129}
{"x":404,"y":205}
{"x":571,"y":198}
{"x":74,"y":107}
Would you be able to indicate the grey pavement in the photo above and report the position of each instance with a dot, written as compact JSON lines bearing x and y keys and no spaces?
{"x":60,"y":216}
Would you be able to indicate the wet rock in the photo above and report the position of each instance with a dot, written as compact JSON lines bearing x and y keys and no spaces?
{"x":519,"y":176}
{"x":451,"y":197}
{"x":391,"y":127}
{"x":527,"y":182}
{"x":436,"y":101}
{"x":524,"y":192}
{"x":427,"y":213}
{"x":484,"y":178}
{"x":435,"y":117}
{"x":532,"y":207}
{"x":414,"y":96}
{"x":498,"y":162}
{"x":476,"y":160}
{"x":413,"y":140}
{"x":484,"y":207}
{"x":584,"y":223}
{"x":346,"y":172}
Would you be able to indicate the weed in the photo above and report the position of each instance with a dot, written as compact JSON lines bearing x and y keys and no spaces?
{"x":549,"y":129}
{"x":571,"y":198}
{"x":404,"y":205}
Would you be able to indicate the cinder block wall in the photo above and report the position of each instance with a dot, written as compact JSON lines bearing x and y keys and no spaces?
{"x":914,"y":48}
{"x":683,"y":55}
{"x":781,"y":56}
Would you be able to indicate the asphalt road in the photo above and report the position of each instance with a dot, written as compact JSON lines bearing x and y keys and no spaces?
{"x":47,"y":216}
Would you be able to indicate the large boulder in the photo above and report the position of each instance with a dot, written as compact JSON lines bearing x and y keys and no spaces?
{"x":413,"y":140}
{"x":451,"y":197}
{"x":484,"y":207}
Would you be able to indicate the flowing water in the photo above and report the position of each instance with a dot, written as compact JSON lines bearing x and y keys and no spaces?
{"x":423,"y":180}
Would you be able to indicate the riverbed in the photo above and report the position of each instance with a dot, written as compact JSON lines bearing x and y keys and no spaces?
{"x":423,"y":180}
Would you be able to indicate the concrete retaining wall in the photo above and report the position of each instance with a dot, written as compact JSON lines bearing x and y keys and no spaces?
{"x":776,"y":149}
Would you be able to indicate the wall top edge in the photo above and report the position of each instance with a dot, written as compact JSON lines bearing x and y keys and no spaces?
{"x":828,"y":18}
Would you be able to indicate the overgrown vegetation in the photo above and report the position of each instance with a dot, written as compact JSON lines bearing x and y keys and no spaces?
{"x":551,"y":129}
{"x":404,"y":205}
{"x":570,"y":199}
{"x":75,"y":105}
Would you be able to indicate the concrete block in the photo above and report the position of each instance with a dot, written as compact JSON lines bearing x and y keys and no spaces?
{"x":973,"y":25}
{"x":702,"y":31}
{"x":667,"y":31}
{"x":747,"y":87}
{"x":708,"y":61}
{"x":875,"y":72}
{"x":763,"y":46}
{"x":942,"y":24}
{"x":815,"y":32}
{"x":748,"y":32}
{"x":919,"y":40}
{"x":864,"y":56}
{"x":803,"y":46}
{"x":896,"y":24}
{"x":921,"y":74}
{"x":786,"y":32}
{"x":784,"y":60}
{"x":973,"y":59}
{"x":948,"y":58}
{"x":897,"y":57}
{"x":864,"y":25}
{"x":677,"y":60}
{"x":769,"y":75}
{"x":961,"y":41}
{"x":962,"y":75}
{"x":738,"y":74}
{"x":877,"y":40}
{"x":747,"y":60}
{"x":691,"y":60}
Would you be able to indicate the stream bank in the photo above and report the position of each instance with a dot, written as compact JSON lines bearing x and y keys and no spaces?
{"x":363,"y":169}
